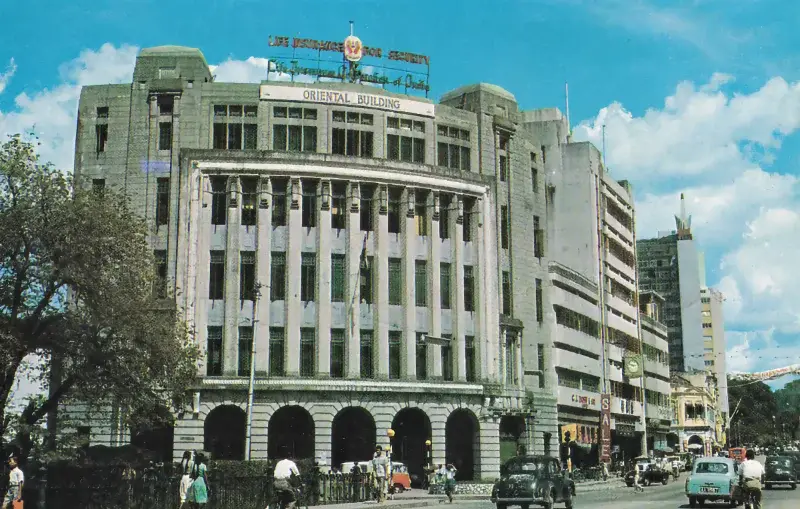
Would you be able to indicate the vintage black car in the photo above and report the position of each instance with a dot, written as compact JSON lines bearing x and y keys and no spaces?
{"x":649,"y":473}
{"x":780,"y":470}
{"x":533,"y":480}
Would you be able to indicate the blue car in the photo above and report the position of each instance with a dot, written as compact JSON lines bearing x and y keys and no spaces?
{"x":713,"y":479}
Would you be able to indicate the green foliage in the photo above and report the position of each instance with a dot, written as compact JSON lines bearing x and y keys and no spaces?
{"x":76,"y":279}
{"x":754,"y":406}
{"x":241,"y":468}
{"x":788,"y":402}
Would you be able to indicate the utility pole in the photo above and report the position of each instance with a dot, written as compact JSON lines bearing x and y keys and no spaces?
{"x":251,"y":385}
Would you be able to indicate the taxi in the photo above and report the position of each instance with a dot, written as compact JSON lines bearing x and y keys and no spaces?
{"x":713,"y":479}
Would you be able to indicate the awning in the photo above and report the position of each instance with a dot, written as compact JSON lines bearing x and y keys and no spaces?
{"x":695,"y":446}
{"x":668,"y":450}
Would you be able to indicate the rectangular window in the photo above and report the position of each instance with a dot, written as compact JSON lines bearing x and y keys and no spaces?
{"x":160,"y":284}
{"x":278,"y":276}
{"x":538,"y":238}
{"x":456,"y":157}
{"x":352,"y":142}
{"x":307,"y":352}
{"x":295,"y":138}
{"x":250,"y":136}
{"x":366,"y":281}
{"x":395,"y":198}
{"x":395,"y":281}
{"x":162,"y":201}
{"x":365,"y":208}
{"x":279,"y":137}
{"x":337,"y":353}
{"x":540,"y":364}
{"x":99,"y":187}
{"x":102,"y":137}
{"x":214,"y":352}
{"x":394,"y":354}
{"x":506,"y":293}
{"x":279,"y":202}
{"x":504,"y":226}
{"x":405,"y":148}
{"x":366,"y":354}
{"x":539,"y":302}
{"x":219,"y":201}
{"x":338,"y":206}
{"x":535,"y":180}
{"x":220,"y":136}
{"x":309,"y":216}
{"x":308,"y":273}
{"x":276,"y":351}
{"x":216,"y":281}
{"x":247,"y":275}
{"x":421,"y":282}
{"x":444,"y":216}
{"x":444,"y":284}
{"x":469,"y":354}
{"x":249,"y":200}
{"x":234,"y":136}
{"x":503,"y":168}
{"x":469,"y":289}
{"x":164,"y":135}
{"x":467,"y":222}
{"x":338,"y":277}
{"x":421,"y":215}
{"x":102,"y":112}
{"x":447,"y":358}
{"x":544,"y":154}
{"x":245,"y":349}
{"x":422,"y":356}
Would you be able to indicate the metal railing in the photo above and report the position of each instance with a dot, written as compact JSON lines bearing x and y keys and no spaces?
{"x":567,"y":273}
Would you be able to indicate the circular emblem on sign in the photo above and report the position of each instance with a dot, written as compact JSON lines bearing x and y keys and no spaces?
{"x":352,"y":48}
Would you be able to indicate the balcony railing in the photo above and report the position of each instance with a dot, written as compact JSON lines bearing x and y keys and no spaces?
{"x":567,"y":273}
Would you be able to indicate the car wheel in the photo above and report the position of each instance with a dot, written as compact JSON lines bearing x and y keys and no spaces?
{"x":549,"y":501}
{"x":692,"y":502}
{"x":767,"y":486}
{"x":630,"y":484}
{"x":501,"y":505}
{"x":701,"y":502}
{"x":794,"y":486}
{"x":665,"y":480}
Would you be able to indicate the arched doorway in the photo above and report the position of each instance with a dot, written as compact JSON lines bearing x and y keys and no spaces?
{"x":462,"y":444}
{"x":156,"y":435}
{"x":352,"y":436}
{"x":224,"y":432}
{"x":412,"y":428}
{"x":291,"y":432}
{"x":512,"y":429}
{"x":696,"y":444}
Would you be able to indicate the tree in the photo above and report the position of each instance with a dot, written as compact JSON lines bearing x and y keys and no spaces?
{"x":76,"y":288}
{"x":752,"y":409}
{"x":788,"y":402}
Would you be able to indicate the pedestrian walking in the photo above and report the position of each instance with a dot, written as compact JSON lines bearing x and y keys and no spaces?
{"x":450,"y":482}
{"x":198,"y":492}
{"x":187,"y":462}
{"x":379,"y":466}
{"x":636,"y":479}
{"x":16,"y":481}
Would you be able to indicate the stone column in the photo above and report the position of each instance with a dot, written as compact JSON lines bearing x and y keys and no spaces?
{"x":408,"y":358}
{"x":294,"y":308}
{"x":482,"y":345}
{"x":263,"y":273}
{"x":324,"y":247}
{"x":456,"y":218}
{"x":502,"y":357}
{"x":520,"y":375}
{"x":323,"y":425}
{"x":230,"y":337}
{"x":352,"y":297}
{"x":434,"y":286}
{"x":199,"y":257}
{"x":490,"y":448}
{"x":381,"y":333}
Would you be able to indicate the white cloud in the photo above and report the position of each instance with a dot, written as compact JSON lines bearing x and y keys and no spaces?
{"x":5,"y":77}
{"x":700,"y":132}
{"x":758,"y":350}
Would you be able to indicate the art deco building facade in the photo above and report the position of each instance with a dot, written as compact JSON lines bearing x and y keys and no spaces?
{"x":384,"y":255}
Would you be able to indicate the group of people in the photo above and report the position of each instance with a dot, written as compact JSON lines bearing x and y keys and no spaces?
{"x":194,"y":489}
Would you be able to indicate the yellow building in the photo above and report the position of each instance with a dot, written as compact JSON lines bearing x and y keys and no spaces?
{"x":695,"y":418}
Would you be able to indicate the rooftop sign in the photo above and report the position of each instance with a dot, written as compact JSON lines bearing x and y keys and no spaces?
{"x":345,"y":98}
{"x":390,"y":67}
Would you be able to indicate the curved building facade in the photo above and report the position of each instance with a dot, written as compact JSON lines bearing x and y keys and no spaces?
{"x":363,"y":244}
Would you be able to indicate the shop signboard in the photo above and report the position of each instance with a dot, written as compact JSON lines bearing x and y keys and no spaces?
{"x":605,"y":428}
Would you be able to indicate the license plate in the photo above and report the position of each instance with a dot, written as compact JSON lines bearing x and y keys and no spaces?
{"x":709,"y":489}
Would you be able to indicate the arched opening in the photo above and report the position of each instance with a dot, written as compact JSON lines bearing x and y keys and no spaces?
{"x":696,"y":444}
{"x":512,"y":431}
{"x":462,"y":445}
{"x":157,"y":435}
{"x":291,"y":431}
{"x":224,"y":432}
{"x":412,"y":428}
{"x":352,"y":436}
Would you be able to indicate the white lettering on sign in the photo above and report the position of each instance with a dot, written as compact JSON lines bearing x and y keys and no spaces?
{"x":346,"y":98}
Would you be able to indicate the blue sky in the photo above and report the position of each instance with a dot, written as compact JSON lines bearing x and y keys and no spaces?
{"x":697,"y":96}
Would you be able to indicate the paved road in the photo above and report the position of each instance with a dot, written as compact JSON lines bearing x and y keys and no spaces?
{"x":656,"y":497}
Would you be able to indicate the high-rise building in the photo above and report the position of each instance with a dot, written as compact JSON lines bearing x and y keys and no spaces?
{"x":385,"y":255}
{"x":669,"y":265}
{"x":714,"y":352}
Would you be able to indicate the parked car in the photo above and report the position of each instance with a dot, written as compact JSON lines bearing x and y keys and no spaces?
{"x":714,"y":479}
{"x":780,"y":470}
{"x":532,"y":480}
{"x":649,"y":472}
{"x":681,"y":462}
{"x":401,"y":480}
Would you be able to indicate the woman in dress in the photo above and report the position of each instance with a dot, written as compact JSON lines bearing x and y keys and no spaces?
{"x":197,"y":494}
{"x":187,"y":463}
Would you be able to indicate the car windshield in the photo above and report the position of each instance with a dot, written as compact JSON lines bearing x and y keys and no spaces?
{"x":779,"y":462}
{"x":525,"y":467}
{"x":708,"y":467}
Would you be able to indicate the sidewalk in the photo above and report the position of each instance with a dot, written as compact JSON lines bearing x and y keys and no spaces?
{"x":419,"y":498}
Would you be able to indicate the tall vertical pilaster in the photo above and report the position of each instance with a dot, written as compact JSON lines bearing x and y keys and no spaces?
{"x":263,"y":274}
{"x":434,"y":284}
{"x":200,"y":262}
{"x":381,"y":333}
{"x":408,"y":359}
{"x":294,"y":307}
{"x":479,"y":296}
{"x":456,"y":219}
{"x":230,"y":362}
{"x":353,"y":249}
{"x":324,"y":248}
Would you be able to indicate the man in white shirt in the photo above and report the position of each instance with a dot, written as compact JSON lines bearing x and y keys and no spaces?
{"x":751,"y":472}
{"x":16,"y":480}
{"x":285,"y":472}
{"x":380,"y":467}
